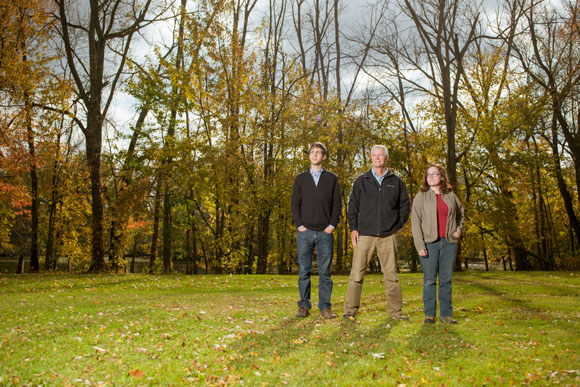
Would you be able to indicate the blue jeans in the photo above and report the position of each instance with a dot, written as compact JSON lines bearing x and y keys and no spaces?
{"x":306,"y":242}
{"x":440,"y":263}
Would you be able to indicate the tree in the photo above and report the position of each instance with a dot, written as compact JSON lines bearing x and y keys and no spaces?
{"x":26,"y":80}
{"x":549,"y":53}
{"x":441,"y":33}
{"x":96,"y":46}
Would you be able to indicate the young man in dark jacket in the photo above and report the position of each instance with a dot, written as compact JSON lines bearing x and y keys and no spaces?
{"x":379,"y":206}
{"x":316,"y":206}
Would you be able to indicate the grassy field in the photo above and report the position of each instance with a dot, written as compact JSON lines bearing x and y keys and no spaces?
{"x":514,"y":328}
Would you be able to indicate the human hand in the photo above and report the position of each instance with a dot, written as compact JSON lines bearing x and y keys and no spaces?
{"x":457,"y":234}
{"x":423,"y":253}
{"x":354,"y":237}
{"x":329,"y":230}
{"x":302,"y":229}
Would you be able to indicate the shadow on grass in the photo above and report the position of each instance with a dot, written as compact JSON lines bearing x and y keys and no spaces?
{"x":437,"y":342}
{"x":520,"y":296}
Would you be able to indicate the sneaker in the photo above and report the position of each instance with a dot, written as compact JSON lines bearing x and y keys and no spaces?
{"x":349,"y":316}
{"x":429,"y":320}
{"x":302,"y":312}
{"x":327,"y":314}
{"x":448,"y":320}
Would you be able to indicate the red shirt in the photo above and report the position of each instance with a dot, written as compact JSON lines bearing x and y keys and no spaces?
{"x":442,"y":211}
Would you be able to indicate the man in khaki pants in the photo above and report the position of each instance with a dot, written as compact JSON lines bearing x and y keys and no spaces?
{"x":379,"y":205}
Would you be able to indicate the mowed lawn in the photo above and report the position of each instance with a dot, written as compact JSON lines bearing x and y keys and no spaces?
{"x":514,"y":328}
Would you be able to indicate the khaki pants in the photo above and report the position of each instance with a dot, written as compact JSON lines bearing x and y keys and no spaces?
{"x":386,"y":248}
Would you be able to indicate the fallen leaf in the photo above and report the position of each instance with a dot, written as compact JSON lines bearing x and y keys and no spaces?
{"x":137,"y":373}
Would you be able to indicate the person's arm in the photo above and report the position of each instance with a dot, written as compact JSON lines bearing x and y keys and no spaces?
{"x":352,"y":212}
{"x":460,"y":218}
{"x":416,"y":221}
{"x":404,"y":206}
{"x":296,"y":203}
{"x":336,"y":205}
{"x":353,"y":207}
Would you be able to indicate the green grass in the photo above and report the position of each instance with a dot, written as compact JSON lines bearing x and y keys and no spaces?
{"x":514,"y":328}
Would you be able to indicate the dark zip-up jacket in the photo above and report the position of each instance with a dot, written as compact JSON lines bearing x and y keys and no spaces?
{"x":316,"y":206}
{"x":378,"y":210}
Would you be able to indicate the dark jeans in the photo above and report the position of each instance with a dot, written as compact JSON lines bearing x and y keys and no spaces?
{"x":440,"y":263}
{"x":306,"y":242}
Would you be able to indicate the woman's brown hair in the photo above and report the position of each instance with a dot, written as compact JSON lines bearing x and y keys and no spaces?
{"x":445,"y":186}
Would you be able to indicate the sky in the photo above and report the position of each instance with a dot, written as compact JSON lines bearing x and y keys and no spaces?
{"x":355,"y":15}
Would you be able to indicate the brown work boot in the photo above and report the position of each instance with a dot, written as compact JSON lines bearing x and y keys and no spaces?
{"x":448,"y":320}
{"x":327,"y":314}
{"x":302,"y":312}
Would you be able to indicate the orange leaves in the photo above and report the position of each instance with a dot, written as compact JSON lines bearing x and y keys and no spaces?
{"x":137,"y":373}
{"x":17,"y":196}
{"x":138,"y":224}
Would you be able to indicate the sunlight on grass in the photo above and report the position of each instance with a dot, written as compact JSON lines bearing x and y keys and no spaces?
{"x":514,"y":328}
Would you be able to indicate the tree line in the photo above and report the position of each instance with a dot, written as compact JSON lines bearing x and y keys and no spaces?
{"x":227,"y":95}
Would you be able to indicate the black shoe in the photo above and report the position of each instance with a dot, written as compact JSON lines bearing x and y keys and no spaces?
{"x":348,"y":316}
{"x":429,"y":320}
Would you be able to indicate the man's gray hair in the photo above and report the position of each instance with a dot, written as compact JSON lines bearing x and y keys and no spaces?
{"x":384,"y":148}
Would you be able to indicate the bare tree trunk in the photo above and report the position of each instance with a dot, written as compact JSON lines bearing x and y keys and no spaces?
{"x":484,"y":251}
{"x":166,"y":250}
{"x":133,"y":254}
{"x":33,"y":169}
{"x":50,"y":259}
{"x":93,"y":146}
{"x":155,"y":235}
{"x":20,"y":265}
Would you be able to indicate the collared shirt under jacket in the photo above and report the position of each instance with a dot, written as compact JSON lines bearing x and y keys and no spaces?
{"x":377,"y":210}
{"x":316,"y":206}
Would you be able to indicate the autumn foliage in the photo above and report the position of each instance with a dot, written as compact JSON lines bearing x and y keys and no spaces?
{"x":222,"y":108}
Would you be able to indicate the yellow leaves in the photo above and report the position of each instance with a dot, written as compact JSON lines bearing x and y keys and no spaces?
{"x":300,"y":340}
